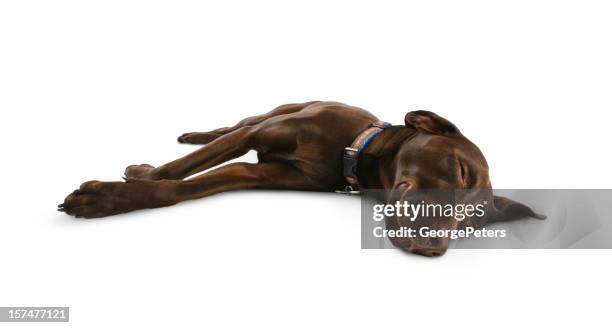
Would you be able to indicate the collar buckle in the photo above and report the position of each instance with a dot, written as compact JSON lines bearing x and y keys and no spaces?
{"x":348,"y":190}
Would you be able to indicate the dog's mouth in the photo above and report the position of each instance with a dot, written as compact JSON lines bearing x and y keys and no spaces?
{"x":400,"y":189}
{"x":403,"y":186}
{"x":426,"y":251}
{"x":411,"y":246}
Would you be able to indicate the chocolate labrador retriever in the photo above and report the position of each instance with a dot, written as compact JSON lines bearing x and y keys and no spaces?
{"x":304,"y":147}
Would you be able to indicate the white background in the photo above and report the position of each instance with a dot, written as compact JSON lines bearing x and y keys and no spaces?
{"x":87,"y":88}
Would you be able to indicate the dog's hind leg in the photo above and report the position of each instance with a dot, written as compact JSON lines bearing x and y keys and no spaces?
{"x":202,"y":138}
{"x":97,"y":199}
{"x":228,"y":146}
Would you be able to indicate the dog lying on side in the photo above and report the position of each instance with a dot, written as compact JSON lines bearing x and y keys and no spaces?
{"x":301,"y":147}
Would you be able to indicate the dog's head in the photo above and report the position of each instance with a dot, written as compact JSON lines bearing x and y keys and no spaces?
{"x":429,"y":167}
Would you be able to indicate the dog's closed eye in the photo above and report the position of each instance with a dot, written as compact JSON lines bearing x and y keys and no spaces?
{"x":463,"y":173}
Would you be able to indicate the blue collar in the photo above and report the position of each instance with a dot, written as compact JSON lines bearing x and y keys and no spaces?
{"x":350,"y":155}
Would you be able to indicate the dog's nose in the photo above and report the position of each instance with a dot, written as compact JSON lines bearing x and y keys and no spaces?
{"x":426,"y":250}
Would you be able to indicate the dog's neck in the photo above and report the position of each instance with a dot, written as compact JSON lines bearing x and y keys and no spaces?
{"x":376,"y":168}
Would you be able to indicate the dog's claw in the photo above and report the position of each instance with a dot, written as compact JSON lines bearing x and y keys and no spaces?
{"x":124,"y":178}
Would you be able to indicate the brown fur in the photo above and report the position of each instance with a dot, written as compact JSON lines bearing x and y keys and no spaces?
{"x":300,"y":147}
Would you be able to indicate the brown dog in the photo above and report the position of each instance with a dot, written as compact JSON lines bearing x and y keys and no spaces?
{"x":300,"y":147}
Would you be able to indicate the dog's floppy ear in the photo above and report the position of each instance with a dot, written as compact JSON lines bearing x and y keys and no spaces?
{"x":430,"y":122}
{"x":505,"y":209}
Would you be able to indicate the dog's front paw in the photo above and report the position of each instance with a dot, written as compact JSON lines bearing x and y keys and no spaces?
{"x":96,"y":199}
{"x":185,"y":137}
{"x":142,"y":171}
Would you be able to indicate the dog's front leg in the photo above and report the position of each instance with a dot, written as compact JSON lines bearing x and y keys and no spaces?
{"x":97,"y":199}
